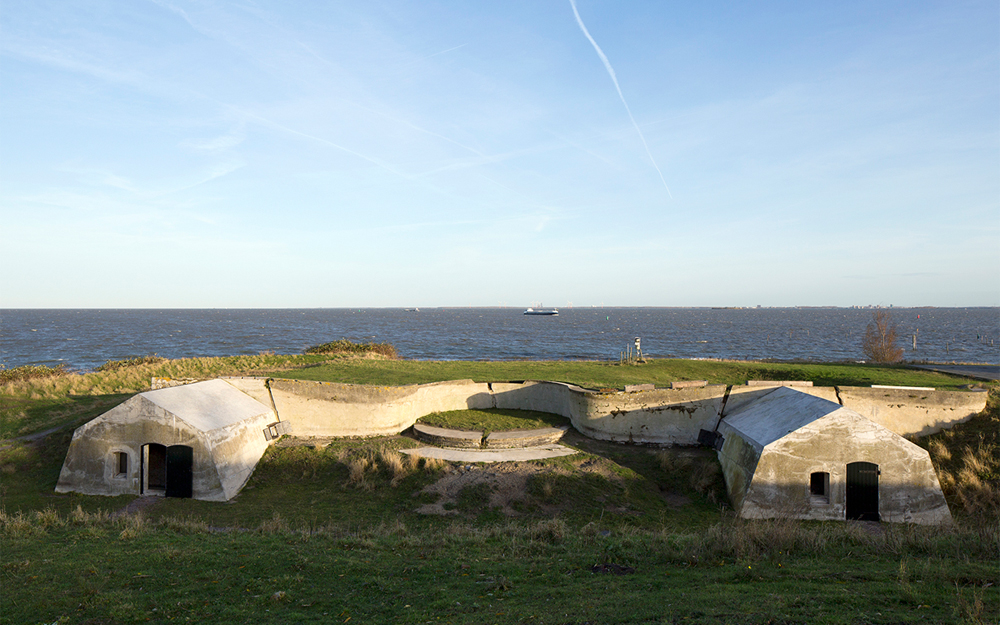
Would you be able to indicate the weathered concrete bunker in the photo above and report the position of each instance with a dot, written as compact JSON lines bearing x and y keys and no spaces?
{"x":785,"y":453}
{"x":790,"y":454}
{"x":202,"y":440}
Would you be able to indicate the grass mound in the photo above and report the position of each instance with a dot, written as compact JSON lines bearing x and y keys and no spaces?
{"x":344,"y":346}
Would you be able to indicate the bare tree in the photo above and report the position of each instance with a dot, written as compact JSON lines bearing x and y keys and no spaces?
{"x":879,"y":344}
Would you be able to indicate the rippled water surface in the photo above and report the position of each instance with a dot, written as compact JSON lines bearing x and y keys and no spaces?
{"x":84,"y":339}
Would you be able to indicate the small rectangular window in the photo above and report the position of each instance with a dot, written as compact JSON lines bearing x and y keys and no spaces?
{"x":819,"y":487}
{"x":121,"y":464}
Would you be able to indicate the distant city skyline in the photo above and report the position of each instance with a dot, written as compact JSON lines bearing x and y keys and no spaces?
{"x":208,"y":154}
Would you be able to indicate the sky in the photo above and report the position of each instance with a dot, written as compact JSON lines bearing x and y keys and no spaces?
{"x":264,"y":154}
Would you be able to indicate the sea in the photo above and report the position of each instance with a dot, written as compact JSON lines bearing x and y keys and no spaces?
{"x":83,"y":339}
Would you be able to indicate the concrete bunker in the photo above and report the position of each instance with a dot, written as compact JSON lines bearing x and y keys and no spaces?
{"x":791,"y":454}
{"x":784,"y":452}
{"x":202,"y":440}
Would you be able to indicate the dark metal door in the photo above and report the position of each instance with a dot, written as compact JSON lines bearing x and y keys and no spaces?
{"x":180,"y":464}
{"x":862,"y":491}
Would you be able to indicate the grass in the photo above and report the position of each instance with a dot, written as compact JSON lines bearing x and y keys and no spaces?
{"x":85,"y":569}
{"x":967,"y":461}
{"x":597,"y":375}
{"x":332,"y":534}
{"x":493,"y":420}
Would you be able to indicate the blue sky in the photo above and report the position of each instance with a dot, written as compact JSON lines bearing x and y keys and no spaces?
{"x":275,"y":154}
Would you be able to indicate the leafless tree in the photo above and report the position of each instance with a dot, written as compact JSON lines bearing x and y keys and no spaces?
{"x":879,"y":344}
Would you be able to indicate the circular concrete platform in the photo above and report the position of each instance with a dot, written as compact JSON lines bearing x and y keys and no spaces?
{"x":537,"y":452}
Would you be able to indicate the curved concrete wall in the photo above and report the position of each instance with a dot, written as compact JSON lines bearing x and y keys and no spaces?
{"x":662,"y":416}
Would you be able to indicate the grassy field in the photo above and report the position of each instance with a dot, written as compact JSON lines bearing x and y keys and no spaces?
{"x":596,"y":375}
{"x":357,"y":532}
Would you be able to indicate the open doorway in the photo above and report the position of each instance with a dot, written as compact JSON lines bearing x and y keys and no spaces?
{"x":862,"y":491}
{"x":167,"y":471}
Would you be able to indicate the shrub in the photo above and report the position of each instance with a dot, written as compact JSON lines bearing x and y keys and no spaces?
{"x":879,"y":342}
{"x":113,"y":365}
{"x":29,"y":372}
{"x":344,"y":346}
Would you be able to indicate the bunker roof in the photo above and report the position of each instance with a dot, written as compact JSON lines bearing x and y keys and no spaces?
{"x":780,"y":413}
{"x":207,"y":405}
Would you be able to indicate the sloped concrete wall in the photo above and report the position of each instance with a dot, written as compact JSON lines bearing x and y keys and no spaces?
{"x":738,"y":459}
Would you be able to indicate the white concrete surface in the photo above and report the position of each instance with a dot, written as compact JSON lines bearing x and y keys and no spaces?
{"x":501,"y":455}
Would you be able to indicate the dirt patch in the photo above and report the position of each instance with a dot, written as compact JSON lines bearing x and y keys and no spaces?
{"x":139,"y":504}
{"x":507,"y":483}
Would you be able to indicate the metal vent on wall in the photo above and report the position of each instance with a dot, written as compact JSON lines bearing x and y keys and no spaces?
{"x":275,"y":430}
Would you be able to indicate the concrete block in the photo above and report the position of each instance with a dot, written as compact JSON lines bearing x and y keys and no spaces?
{"x":688,"y":384}
{"x":524,"y":438}
{"x":632,"y":388}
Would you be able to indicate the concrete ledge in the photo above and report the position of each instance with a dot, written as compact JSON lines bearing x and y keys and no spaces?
{"x":779,"y":383}
{"x":525,"y":438}
{"x":634,"y":388}
{"x":448,"y":438}
{"x":498,"y":455}
{"x":688,"y":384}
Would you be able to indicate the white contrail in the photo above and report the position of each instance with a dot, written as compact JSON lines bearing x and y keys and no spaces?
{"x":614,"y":79}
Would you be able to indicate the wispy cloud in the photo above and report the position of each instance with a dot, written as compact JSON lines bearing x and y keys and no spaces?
{"x":430,"y":56}
{"x":614,"y":79}
{"x":217,"y":144}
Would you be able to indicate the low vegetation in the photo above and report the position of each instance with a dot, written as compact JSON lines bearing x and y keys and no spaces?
{"x":112,"y":365}
{"x":30,"y":372}
{"x":358,"y":531}
{"x":967,"y":461}
{"x":346,"y":347}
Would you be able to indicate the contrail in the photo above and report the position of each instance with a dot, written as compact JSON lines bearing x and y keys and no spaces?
{"x":614,"y":79}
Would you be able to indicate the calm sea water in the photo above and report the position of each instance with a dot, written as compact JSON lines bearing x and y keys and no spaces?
{"x":84,"y":339}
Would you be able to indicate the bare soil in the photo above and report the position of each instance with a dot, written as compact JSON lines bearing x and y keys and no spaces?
{"x":508,"y":483}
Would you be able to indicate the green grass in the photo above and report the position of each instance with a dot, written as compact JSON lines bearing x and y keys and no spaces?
{"x":597,"y":375}
{"x":493,"y":420}
{"x":79,"y":570}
